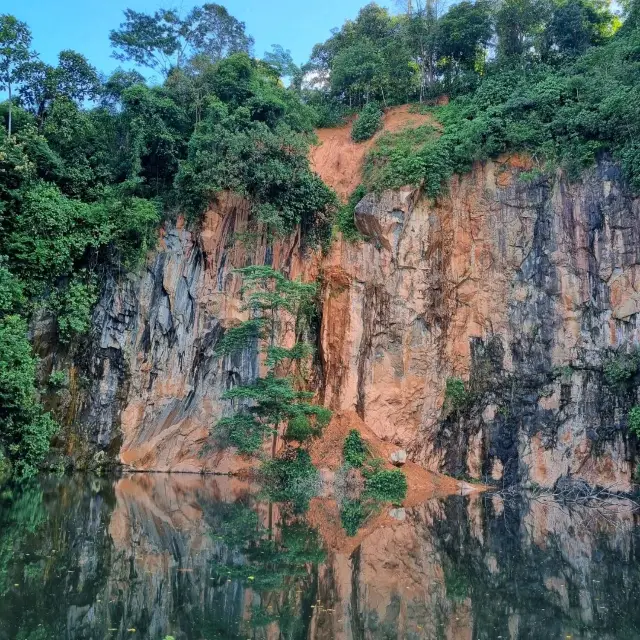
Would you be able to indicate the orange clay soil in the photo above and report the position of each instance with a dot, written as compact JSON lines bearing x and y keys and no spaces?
{"x":338,"y":160}
{"x":324,"y":513}
{"x":422,"y":484}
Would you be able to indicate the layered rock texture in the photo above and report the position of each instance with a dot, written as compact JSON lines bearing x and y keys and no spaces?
{"x":152,"y":384}
{"x":523,"y":286}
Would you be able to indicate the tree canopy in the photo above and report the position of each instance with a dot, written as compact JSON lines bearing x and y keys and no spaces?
{"x":165,"y":40}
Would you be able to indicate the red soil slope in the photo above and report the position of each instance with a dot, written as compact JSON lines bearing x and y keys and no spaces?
{"x":338,"y":160}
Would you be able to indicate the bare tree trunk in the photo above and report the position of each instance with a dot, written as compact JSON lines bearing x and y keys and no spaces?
{"x":9,"y":134}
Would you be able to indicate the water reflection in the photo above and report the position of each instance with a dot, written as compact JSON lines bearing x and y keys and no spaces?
{"x":151,"y":556}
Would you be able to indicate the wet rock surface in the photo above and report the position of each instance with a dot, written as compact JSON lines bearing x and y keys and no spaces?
{"x":523,"y":288}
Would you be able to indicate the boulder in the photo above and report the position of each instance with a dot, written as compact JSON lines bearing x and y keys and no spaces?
{"x":398,"y":458}
{"x":398,"y":513}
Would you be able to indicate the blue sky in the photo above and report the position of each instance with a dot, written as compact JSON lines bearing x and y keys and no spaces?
{"x":84,"y":25}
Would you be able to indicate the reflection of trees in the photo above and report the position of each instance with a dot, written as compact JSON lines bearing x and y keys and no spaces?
{"x":355,"y":513}
{"x":278,"y":563}
{"x":21,"y":514}
{"x":53,"y":538}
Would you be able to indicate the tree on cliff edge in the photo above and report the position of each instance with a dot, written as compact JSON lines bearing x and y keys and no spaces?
{"x":15,"y":40}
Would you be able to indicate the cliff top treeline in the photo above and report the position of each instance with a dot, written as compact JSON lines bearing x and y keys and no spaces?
{"x":90,"y":165}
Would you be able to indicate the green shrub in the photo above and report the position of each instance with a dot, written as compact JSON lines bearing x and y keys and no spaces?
{"x":634,"y":420}
{"x":345,"y":220}
{"x":367,"y":123}
{"x":73,"y":306}
{"x":355,"y":450}
{"x":387,"y":485}
{"x":299,"y":429}
{"x":621,"y":367}
{"x":291,"y":478}
{"x":58,"y":379}
{"x":254,"y":140}
{"x":354,"y":514}
{"x":411,"y":156}
{"x":455,"y":394}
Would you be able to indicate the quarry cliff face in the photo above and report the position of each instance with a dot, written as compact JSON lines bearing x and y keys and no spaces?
{"x":521,"y":285}
{"x":152,"y":384}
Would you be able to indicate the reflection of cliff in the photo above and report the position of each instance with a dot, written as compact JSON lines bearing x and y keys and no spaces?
{"x":469,"y":568}
{"x":563,"y":569}
{"x":200,"y":558}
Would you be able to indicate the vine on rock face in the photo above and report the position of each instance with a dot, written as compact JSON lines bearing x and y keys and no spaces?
{"x":273,"y":403}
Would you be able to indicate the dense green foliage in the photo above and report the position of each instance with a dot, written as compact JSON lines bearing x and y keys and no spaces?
{"x":427,"y":51}
{"x":291,"y":477}
{"x":354,"y":449}
{"x":367,"y":123}
{"x":634,"y":420}
{"x":621,"y":367}
{"x":25,"y":429}
{"x":255,"y":146}
{"x":411,"y":156}
{"x":89,"y":166}
{"x":345,"y":218}
{"x":563,"y":86}
{"x":456,"y":395}
{"x":388,"y":485}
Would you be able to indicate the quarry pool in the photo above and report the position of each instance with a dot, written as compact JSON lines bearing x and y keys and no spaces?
{"x":189,"y":557}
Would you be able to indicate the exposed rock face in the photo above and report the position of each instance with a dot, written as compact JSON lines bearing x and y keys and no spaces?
{"x":154,"y":383}
{"x":522,"y":288}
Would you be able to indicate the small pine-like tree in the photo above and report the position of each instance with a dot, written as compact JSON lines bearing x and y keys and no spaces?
{"x":272,"y":403}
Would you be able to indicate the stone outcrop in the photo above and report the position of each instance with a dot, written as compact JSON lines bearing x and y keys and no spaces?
{"x":520,"y":284}
{"x":153,"y":384}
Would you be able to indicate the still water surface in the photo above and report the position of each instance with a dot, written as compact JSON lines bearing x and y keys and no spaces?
{"x":157,"y":556}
